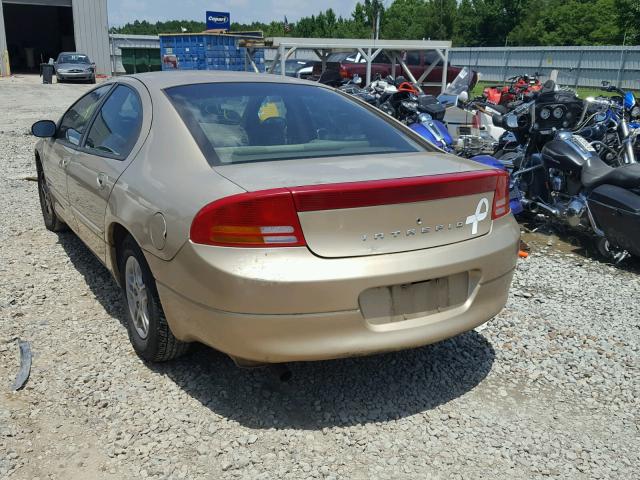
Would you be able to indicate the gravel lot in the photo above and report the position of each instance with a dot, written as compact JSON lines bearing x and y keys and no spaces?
{"x":549,"y":388}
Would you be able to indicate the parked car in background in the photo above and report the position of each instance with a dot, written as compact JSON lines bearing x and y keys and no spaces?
{"x":74,"y":66}
{"x":353,"y":63}
{"x":292,"y":67}
{"x":274,"y":219}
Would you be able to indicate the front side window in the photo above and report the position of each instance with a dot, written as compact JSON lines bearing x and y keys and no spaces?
{"x":74,"y":122}
{"x":254,"y":122}
{"x":117,"y":125}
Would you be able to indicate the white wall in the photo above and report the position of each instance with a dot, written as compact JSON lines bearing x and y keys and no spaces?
{"x":91,"y":28}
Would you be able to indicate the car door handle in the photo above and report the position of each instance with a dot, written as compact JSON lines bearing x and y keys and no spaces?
{"x":101,"y":180}
{"x":64,"y":162}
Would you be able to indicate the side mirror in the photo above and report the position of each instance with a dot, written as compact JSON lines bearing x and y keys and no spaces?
{"x":44,"y":129}
{"x":73,"y":136}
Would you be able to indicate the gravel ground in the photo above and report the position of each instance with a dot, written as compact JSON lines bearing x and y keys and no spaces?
{"x":549,"y":388}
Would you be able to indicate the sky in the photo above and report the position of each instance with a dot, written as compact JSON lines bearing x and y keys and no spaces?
{"x":243,"y":11}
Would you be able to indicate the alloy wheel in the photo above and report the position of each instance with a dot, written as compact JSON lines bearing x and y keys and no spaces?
{"x":137,"y":297}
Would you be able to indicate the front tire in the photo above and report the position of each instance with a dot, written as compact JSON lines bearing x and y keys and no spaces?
{"x":51,"y":220}
{"x":147,"y":325}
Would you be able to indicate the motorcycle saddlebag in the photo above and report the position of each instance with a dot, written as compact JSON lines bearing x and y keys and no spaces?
{"x":429,"y":104}
{"x":616,"y":211}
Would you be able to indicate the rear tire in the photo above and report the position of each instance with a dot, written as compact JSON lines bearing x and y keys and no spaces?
{"x":51,"y":220}
{"x":147,"y":325}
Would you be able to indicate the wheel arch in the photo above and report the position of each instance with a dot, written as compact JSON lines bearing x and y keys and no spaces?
{"x":116,"y":234}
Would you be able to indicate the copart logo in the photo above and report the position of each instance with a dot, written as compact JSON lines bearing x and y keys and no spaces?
{"x":481,"y":214}
{"x":218,"y":19}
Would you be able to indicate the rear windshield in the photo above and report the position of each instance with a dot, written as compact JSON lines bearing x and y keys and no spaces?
{"x":343,"y":57}
{"x":256,"y":122}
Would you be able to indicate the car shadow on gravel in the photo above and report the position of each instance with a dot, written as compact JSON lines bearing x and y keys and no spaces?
{"x":344,"y":392}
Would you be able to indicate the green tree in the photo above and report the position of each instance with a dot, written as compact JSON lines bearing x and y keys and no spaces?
{"x":406,"y":19}
{"x":629,"y":20}
{"x":465,"y":31}
{"x":573,"y":22}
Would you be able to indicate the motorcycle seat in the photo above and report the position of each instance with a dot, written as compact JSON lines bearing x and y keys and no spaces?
{"x":595,"y":173}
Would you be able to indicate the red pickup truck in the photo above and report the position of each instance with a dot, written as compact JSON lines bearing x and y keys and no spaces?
{"x":351,"y":63}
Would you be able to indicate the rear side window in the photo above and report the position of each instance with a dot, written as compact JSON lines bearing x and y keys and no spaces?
{"x":255,"y":122}
{"x":117,"y":125}
{"x":75,"y":121}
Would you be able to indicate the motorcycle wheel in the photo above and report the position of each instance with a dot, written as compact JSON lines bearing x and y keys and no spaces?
{"x":609,"y":251}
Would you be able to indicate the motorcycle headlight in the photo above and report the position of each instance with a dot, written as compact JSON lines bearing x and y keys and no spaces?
{"x":635,"y":112}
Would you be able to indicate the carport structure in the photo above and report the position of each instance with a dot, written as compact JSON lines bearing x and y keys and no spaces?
{"x":369,"y":49}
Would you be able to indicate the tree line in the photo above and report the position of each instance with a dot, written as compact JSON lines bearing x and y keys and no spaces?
{"x":466,"y":22}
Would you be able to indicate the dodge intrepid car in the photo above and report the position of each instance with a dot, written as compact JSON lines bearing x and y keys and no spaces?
{"x":274,"y":219}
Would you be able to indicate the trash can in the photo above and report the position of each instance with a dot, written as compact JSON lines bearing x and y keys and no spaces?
{"x":46,"y":70}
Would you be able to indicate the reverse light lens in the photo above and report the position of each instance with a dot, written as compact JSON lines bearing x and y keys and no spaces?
{"x":501,"y":205}
{"x":256,"y":219}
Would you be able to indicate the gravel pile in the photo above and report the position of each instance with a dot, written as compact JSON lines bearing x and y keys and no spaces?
{"x":549,"y":388}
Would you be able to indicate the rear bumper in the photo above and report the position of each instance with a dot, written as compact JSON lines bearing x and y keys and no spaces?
{"x":307,"y":337}
{"x":286,"y":304}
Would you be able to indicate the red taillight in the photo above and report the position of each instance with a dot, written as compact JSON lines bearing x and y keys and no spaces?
{"x":501,"y":196}
{"x":344,"y":73}
{"x":266,"y":218}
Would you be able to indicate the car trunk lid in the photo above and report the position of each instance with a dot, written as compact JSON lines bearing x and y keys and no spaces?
{"x":445,"y":200}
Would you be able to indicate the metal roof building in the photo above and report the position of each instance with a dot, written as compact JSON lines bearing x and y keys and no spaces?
{"x":32,"y":31}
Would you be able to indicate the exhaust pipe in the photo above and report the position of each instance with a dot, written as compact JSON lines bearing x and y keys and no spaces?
{"x":534,"y":207}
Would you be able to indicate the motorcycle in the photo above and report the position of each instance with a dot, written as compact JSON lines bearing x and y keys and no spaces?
{"x":519,"y":85}
{"x":563,"y":179}
{"x":611,"y":132}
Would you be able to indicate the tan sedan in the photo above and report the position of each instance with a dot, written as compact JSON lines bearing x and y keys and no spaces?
{"x":274,"y":219}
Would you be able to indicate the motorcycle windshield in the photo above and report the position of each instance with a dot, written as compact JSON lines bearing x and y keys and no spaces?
{"x":629,"y":100}
{"x":461,"y":83}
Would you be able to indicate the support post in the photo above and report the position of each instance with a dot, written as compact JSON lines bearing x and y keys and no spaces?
{"x":408,"y":73}
{"x":445,"y":68}
{"x":430,"y":69}
{"x":250,"y":61}
{"x":283,"y":60}
{"x":369,"y":66}
{"x":322,"y":55}
{"x":272,"y":67}
{"x":369,"y":57}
